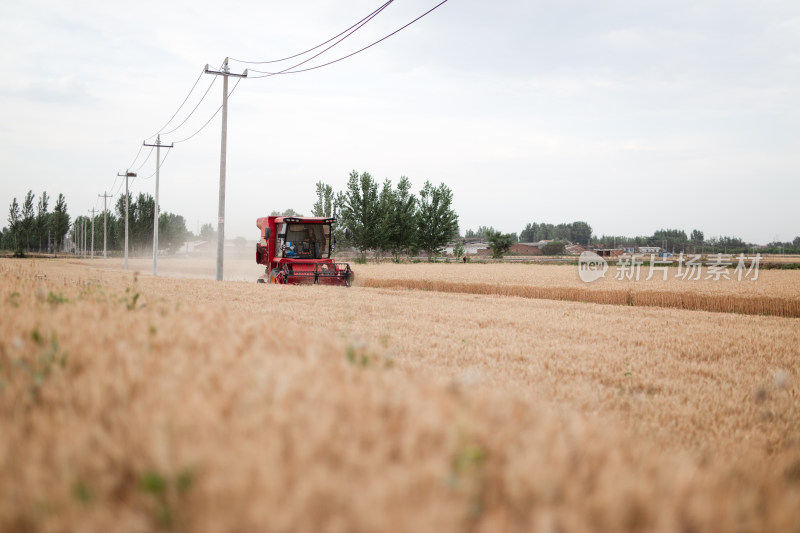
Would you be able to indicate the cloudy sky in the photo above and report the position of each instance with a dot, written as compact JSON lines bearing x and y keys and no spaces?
{"x":630,"y":115}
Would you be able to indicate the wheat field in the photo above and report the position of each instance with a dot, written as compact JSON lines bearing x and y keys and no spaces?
{"x":137,"y":403}
{"x":773,"y":292}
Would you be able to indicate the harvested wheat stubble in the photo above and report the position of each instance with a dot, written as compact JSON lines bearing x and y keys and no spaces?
{"x":139,"y":403}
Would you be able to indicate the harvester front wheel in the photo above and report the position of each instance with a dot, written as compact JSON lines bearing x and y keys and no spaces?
{"x":273,"y":275}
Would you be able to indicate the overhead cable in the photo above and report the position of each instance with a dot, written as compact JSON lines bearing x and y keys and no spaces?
{"x":319,"y":45}
{"x":289,"y":71}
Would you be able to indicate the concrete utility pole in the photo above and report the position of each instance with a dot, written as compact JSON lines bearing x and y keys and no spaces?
{"x":104,"y":196}
{"x":158,"y":146}
{"x":225,"y":73}
{"x":127,"y":175}
{"x":92,"y":210}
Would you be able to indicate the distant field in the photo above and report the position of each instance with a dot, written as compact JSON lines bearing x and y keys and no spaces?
{"x":138,"y":403}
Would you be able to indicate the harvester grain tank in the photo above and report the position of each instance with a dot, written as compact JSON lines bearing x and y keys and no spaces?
{"x":298,"y":250}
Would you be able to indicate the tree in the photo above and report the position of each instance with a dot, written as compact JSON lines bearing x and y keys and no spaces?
{"x":172,"y":232}
{"x":287,"y":213}
{"x":42,"y":218}
{"x":14,"y":218}
{"x":404,"y":224}
{"x":553,"y":248}
{"x":140,"y":222}
{"x":325,"y":204}
{"x":359,"y":210}
{"x":581,"y":233}
{"x":437,"y":223}
{"x":120,"y":227}
{"x":27,"y":219}
{"x":500,"y":243}
{"x":384,"y":234}
{"x":60,"y":221}
{"x":671,"y":239}
{"x":527,"y":234}
{"x":208,"y":233}
{"x":796,"y":242}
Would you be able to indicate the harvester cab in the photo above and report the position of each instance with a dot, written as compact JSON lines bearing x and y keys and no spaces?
{"x":299,"y":250}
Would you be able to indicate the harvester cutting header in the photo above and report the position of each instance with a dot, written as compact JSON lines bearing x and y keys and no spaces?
{"x":298,"y":250}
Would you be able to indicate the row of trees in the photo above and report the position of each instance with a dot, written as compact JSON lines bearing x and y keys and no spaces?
{"x":390,"y":218}
{"x":578,"y":232}
{"x":675,"y":241}
{"x":172,"y":232}
{"x":31,"y":226}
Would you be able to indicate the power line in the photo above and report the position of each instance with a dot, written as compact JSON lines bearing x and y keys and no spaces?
{"x":153,"y":174}
{"x":268,"y":74}
{"x":137,"y":156}
{"x":179,"y":107}
{"x":351,"y":32}
{"x":193,"y":110}
{"x":112,"y":185}
{"x":212,"y":116}
{"x":137,"y":169}
{"x":319,"y":45}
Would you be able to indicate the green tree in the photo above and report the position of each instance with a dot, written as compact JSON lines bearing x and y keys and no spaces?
{"x":500,"y":243}
{"x":14,"y":219}
{"x":208,"y":233}
{"x":384,"y":234}
{"x":28,"y":217}
{"x":172,"y":232}
{"x":360,"y":210}
{"x":553,"y":248}
{"x":286,"y":213}
{"x":61,"y":221}
{"x":119,"y":229}
{"x":140,"y":223}
{"x":437,"y":223}
{"x":326,"y":200}
{"x":485,"y":231}
{"x":404,"y":224}
{"x":42,"y":218}
{"x":673,"y":240}
{"x":581,"y":233}
{"x":530,"y":233}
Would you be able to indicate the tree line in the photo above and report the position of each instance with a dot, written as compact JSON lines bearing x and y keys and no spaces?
{"x":675,"y":241}
{"x":579,"y":232}
{"x":31,"y":225}
{"x":172,"y":232}
{"x":389,"y":218}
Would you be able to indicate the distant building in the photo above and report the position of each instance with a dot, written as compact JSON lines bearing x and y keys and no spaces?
{"x":609,"y":252}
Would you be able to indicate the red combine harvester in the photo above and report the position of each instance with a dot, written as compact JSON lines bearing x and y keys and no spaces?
{"x":298,"y":250}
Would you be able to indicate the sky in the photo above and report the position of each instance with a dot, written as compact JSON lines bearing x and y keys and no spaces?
{"x":630,"y":115}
